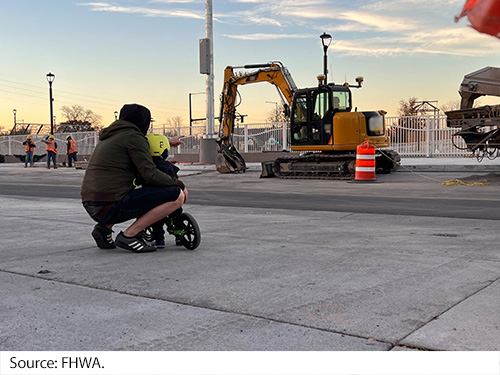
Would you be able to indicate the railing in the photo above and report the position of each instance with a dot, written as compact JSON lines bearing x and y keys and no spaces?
{"x":412,"y":136}
{"x":424,"y":136}
{"x":13,"y":144}
{"x":246,"y":137}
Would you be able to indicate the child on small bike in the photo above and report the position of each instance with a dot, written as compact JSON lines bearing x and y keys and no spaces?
{"x":159,"y":147}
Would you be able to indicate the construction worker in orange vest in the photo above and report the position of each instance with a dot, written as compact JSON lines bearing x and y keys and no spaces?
{"x":30,"y":147}
{"x":72,"y":151}
{"x":51,"y":150}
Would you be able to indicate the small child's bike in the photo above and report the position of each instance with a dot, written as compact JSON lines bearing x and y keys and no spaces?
{"x":183,"y":226}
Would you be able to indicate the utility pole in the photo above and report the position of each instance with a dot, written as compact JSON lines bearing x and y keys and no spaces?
{"x":209,"y":34}
{"x":208,"y":145}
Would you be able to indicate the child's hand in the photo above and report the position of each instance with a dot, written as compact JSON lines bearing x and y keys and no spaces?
{"x":185,"y":195}
{"x":176,"y":141}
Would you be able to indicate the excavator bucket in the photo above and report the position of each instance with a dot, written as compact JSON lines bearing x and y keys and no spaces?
{"x":483,"y":15}
{"x":229,"y":160}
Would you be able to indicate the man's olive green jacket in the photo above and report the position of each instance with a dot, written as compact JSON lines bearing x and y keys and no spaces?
{"x":120,"y":156}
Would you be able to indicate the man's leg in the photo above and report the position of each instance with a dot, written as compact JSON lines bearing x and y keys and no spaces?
{"x":151,"y":217}
{"x":147,"y":205}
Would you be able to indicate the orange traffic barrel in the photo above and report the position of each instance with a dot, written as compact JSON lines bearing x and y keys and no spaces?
{"x":365,"y":162}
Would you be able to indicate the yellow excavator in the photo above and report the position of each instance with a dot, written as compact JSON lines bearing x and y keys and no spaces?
{"x":323,"y":127}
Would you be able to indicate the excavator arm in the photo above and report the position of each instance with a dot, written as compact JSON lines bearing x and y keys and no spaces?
{"x":229,"y":160}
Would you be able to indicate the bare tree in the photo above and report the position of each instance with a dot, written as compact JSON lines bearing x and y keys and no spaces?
{"x":79,"y":118}
{"x":451,"y":106}
{"x":407,"y":107}
{"x":278,"y":114}
{"x":174,"y":122}
{"x":172,"y":125}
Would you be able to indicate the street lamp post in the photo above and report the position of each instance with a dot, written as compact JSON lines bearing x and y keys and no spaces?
{"x":326,"y":39}
{"x":14,"y":111}
{"x":50,"y":78}
{"x":116,"y":115}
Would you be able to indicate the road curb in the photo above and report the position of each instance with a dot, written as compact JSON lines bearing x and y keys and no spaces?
{"x":449,"y":168}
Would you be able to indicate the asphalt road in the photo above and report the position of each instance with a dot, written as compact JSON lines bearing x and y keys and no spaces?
{"x":395,"y":194}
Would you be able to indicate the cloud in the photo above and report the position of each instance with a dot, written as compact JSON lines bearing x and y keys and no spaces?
{"x":251,"y":1}
{"x":144,"y":11}
{"x":414,"y":4}
{"x":369,"y":21}
{"x":176,"y":1}
{"x":360,"y":27}
{"x":256,"y":20}
{"x":270,"y":36}
{"x":445,"y":41}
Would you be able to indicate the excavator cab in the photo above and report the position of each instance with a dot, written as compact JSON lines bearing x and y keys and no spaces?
{"x":313,"y":111}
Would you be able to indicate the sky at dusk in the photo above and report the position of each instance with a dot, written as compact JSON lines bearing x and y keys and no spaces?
{"x":105,"y":54}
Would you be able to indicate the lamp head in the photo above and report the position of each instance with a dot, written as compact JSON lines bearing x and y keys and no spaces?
{"x":326,"y":39}
{"x":50,"y":77}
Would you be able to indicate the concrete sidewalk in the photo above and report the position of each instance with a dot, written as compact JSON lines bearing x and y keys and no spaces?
{"x":449,"y":165}
{"x":262,"y":279}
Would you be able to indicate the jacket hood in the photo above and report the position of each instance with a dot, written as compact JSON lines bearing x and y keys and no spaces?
{"x":137,"y":115}
{"x":116,"y":127}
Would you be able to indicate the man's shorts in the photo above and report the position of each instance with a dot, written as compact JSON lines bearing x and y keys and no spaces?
{"x":135,"y":204}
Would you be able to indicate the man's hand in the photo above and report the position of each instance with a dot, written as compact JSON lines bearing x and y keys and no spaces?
{"x":185,"y":195}
{"x":176,"y":141}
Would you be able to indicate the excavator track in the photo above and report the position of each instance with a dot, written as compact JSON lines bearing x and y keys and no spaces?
{"x":316,"y":166}
{"x":321,"y":166}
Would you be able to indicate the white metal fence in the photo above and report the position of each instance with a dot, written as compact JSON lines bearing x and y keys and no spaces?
{"x":418,"y":136}
{"x":246,"y":137}
{"x":13,"y":144}
{"x":411,"y":136}
{"x":426,"y":136}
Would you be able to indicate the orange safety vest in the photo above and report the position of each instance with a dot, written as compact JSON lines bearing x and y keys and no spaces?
{"x":51,"y":146}
{"x":28,"y":148}
{"x":72,"y":147}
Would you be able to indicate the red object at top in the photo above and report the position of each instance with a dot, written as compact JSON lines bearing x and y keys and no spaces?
{"x":483,"y":15}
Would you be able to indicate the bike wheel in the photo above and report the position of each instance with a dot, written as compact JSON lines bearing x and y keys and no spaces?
{"x":189,"y":231}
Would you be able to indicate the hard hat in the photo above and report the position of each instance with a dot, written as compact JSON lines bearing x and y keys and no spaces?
{"x":28,"y":137}
{"x":158,"y":144}
{"x":68,"y":137}
{"x":51,"y":136}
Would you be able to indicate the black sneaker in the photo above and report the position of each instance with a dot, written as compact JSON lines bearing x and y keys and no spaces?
{"x":103,"y":237}
{"x":135,"y":244}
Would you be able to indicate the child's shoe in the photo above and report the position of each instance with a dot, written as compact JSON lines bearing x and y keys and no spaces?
{"x":160,"y":244}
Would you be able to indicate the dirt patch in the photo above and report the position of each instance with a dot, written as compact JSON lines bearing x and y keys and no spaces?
{"x":492,"y":178}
